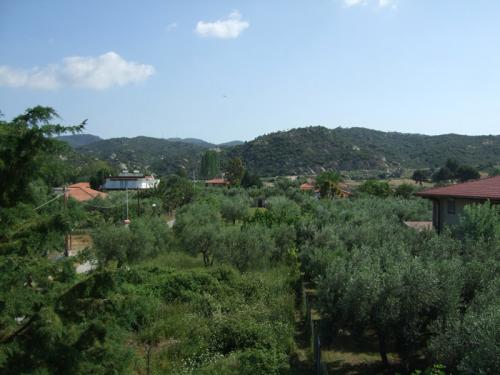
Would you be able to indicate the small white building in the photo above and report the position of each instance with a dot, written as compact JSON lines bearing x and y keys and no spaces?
{"x":130,"y":181}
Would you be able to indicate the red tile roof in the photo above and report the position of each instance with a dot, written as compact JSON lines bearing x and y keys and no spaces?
{"x":217,"y":181}
{"x":82,"y":192}
{"x":306,"y":186}
{"x":487,"y":188}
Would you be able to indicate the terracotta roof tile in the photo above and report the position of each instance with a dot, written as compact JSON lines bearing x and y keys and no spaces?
{"x":82,"y":192}
{"x":217,"y":181}
{"x":306,"y":186}
{"x":487,"y":188}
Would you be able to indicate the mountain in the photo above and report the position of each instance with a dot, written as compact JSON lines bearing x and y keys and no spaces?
{"x":201,"y":142}
{"x":78,"y":140}
{"x":313,"y":149}
{"x":161,"y":156}
{"x":304,"y":151}
{"x":230,"y":144}
{"x":193,"y":141}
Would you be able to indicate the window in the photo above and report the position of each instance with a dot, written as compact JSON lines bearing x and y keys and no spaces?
{"x":451,"y":206}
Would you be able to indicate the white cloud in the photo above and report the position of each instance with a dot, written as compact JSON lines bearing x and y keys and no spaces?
{"x":386,"y":3}
{"x":379,"y":3}
{"x":97,"y":73}
{"x":351,"y":3}
{"x":172,"y":26}
{"x":228,"y":28}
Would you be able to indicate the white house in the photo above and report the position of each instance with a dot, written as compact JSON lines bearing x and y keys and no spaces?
{"x":130,"y":181}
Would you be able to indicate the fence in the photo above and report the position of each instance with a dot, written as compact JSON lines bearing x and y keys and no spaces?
{"x":312,"y":320}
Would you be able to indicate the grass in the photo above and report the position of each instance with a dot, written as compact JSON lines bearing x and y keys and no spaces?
{"x":345,"y":355}
{"x":175,"y":259}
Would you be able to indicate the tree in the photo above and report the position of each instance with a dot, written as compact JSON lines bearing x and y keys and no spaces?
{"x":210,"y":167}
{"x":442,"y":174}
{"x":479,"y":222}
{"x":250,"y":247}
{"x":249,"y":179}
{"x":235,"y":171}
{"x":494,"y":172}
{"x":23,"y":143}
{"x":376,"y":188}
{"x":452,"y":166}
{"x":234,"y":208}
{"x":466,"y":172}
{"x":404,"y":190}
{"x":328,"y":184}
{"x":144,"y":238}
{"x":283,"y":210}
{"x":198,"y":227}
{"x":175,"y":191}
{"x":420,"y":175}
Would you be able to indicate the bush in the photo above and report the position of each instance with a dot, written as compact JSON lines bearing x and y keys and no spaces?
{"x":376,"y":188}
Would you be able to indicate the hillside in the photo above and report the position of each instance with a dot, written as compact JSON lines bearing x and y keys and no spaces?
{"x":193,"y":141}
{"x":304,"y":151}
{"x":78,"y":140}
{"x":313,"y":149}
{"x":156,"y":155}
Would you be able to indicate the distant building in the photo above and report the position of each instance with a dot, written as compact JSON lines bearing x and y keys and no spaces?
{"x":81,"y":192}
{"x":130,"y":181}
{"x":449,"y":201}
{"x":217,"y":182}
{"x":306,"y":186}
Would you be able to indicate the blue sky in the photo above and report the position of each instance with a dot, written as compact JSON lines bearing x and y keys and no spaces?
{"x":223,"y":70}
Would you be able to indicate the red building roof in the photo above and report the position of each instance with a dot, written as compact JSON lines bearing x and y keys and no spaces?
{"x":306,"y":186}
{"x":217,"y":181}
{"x":83,"y":192}
{"x":487,"y":188}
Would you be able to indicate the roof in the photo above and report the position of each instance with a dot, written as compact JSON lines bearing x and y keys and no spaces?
{"x":487,"y":188}
{"x":306,"y":186}
{"x":217,"y":181}
{"x":129,"y":177}
{"x":83,"y":192}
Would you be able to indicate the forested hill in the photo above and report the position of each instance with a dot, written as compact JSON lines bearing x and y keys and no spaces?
{"x":78,"y":140}
{"x":304,"y":151}
{"x":157,"y":155}
{"x":312,"y":149}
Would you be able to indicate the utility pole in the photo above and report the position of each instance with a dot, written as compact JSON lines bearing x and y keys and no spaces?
{"x":127,"y":202}
{"x":66,"y":237}
{"x":138,"y":203}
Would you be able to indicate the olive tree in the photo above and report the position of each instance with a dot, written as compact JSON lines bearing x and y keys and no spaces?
{"x":198,"y":226}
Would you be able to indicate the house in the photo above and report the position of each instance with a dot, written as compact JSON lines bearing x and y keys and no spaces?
{"x":449,"y":201}
{"x":217,"y":182}
{"x":306,"y":186}
{"x":130,"y":181}
{"x":81,"y":192}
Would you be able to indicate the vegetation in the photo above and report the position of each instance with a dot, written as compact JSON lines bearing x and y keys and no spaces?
{"x":306,"y":151}
{"x":328,"y":184}
{"x":217,"y":292}
{"x":235,"y":171}
{"x":454,"y":171}
{"x":210,"y":165}
{"x":311,"y":150}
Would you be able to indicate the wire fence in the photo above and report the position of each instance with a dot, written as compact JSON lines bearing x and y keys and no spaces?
{"x":312,"y":321}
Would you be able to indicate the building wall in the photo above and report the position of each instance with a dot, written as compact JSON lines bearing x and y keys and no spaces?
{"x":123,"y":184}
{"x":446,"y":215}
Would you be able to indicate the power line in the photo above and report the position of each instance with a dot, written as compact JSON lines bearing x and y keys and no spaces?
{"x":53,"y":199}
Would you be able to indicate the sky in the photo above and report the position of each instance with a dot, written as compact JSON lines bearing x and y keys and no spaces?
{"x":223,"y":70}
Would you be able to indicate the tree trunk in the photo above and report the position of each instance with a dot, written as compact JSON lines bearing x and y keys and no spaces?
{"x":148,"y":366}
{"x":382,"y":348}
